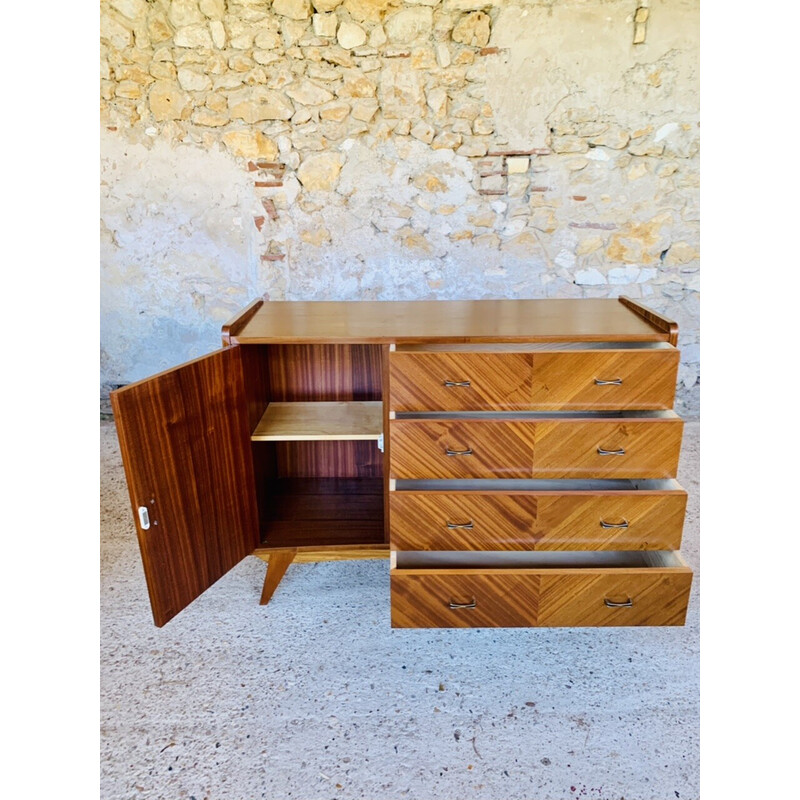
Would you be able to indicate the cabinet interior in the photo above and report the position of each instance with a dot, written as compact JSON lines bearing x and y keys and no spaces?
{"x":319,"y":472}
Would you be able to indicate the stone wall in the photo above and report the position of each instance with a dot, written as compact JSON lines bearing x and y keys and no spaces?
{"x":392,"y":149}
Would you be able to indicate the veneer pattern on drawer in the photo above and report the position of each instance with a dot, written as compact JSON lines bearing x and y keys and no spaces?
{"x":513,"y":379}
{"x":448,"y":431}
{"x":549,"y":447}
{"x":545,"y":515}
{"x":619,"y":590}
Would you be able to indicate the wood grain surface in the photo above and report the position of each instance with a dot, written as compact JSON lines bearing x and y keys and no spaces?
{"x":506,"y":381}
{"x":449,"y":320}
{"x":543,"y":597}
{"x":552,"y":448}
{"x":324,"y":372}
{"x":569,"y":380}
{"x":234,"y":325}
{"x":503,"y":599}
{"x":340,"y":420}
{"x":579,"y":600}
{"x":536,"y":521}
{"x":317,"y":512}
{"x":184,"y":438}
{"x":669,"y":326}
{"x":344,"y":552}
{"x":419,"y":381}
{"x":326,"y":459}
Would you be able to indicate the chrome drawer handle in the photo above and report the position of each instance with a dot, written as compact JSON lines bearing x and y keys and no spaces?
{"x":620,"y":452}
{"x":623,"y":524}
{"x":627,"y":604}
{"x":458,"y":452}
{"x":453,"y":525}
{"x":471,"y":604}
{"x":614,"y":382}
{"x":451,"y":384}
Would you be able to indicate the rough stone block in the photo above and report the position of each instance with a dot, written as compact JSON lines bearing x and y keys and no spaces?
{"x":409,"y":25}
{"x":423,"y":131}
{"x":168,"y":101}
{"x":193,"y":36}
{"x":517,"y":164}
{"x":325,"y":24}
{"x":590,"y":277}
{"x":319,"y":172}
{"x":351,"y":35}
{"x":473,"y":29}
{"x":294,"y":9}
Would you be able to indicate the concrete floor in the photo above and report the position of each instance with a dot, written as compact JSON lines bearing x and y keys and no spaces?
{"x":315,"y":696}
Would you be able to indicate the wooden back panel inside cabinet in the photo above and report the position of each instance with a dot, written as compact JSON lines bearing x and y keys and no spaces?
{"x":184,"y":436}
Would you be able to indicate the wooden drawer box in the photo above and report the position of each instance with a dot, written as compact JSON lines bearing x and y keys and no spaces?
{"x":538,"y":515}
{"x":550,"y":590}
{"x":631,"y":445}
{"x":475,"y":377}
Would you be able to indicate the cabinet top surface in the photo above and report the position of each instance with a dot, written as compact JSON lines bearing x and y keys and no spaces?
{"x":446,"y":321}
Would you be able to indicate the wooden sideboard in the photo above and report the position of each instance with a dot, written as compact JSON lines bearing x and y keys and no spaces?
{"x":514,"y":459}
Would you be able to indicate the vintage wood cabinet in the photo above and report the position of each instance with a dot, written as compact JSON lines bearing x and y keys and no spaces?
{"x":515,"y":459}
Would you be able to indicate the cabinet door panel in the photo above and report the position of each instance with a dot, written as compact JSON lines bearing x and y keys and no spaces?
{"x":185,"y":444}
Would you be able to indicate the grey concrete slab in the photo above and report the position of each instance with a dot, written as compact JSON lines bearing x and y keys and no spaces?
{"x":314,"y":696}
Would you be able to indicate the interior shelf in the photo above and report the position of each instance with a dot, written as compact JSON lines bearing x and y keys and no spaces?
{"x":304,"y":422}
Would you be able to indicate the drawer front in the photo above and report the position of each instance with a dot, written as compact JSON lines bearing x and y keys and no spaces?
{"x":583,"y":600}
{"x":461,"y":521}
{"x":528,"y":521}
{"x":585,"y":380}
{"x":624,"y":521}
{"x":608,"y":448}
{"x":489,"y":449}
{"x":425,"y":600}
{"x":565,"y":448}
{"x":461,"y":381}
{"x":606,"y":380}
{"x":545,"y":598}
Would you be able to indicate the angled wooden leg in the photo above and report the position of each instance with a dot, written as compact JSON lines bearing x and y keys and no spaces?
{"x":276,"y":568}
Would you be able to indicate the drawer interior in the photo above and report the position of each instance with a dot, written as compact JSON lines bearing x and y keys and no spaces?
{"x":621,"y":559}
{"x":533,"y":416}
{"x":540,"y":486}
{"x":530,"y":347}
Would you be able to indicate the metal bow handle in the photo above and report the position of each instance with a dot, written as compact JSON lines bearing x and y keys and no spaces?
{"x":457,"y":383}
{"x":602,"y":452}
{"x":623,"y":524}
{"x":471,"y":604}
{"x":453,"y":525}
{"x":450,"y":452}
{"x":613,"y":382}
{"x":611,"y":604}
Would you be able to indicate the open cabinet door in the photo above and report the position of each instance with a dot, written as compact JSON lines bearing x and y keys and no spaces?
{"x":185,"y":445}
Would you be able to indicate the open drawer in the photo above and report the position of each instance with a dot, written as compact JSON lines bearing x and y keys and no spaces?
{"x":537,"y":515}
{"x":535,"y":445}
{"x":548,"y":589}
